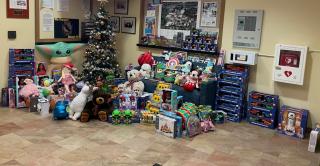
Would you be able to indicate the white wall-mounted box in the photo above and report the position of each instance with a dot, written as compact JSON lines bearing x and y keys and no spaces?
{"x":241,"y":57}
{"x":290,"y":63}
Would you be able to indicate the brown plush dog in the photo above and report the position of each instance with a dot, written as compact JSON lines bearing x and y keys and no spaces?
{"x":99,"y":108}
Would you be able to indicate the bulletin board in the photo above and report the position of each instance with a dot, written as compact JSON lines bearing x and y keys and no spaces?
{"x":60,"y":20}
{"x":159,"y":19}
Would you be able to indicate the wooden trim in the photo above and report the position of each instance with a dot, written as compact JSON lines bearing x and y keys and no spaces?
{"x":221,"y":21}
{"x":37,"y":28}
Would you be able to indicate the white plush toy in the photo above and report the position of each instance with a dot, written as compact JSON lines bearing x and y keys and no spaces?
{"x":134,"y":77}
{"x":146,"y":71}
{"x":290,"y":127}
{"x":138,"y":88}
{"x":79,"y":102}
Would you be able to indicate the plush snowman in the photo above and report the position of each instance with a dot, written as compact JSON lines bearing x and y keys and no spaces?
{"x":291,"y":122}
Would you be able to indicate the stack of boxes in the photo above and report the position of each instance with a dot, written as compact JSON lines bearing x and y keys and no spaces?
{"x":232,"y":90}
{"x":21,"y":63}
{"x":200,"y":42}
{"x":263,"y":109}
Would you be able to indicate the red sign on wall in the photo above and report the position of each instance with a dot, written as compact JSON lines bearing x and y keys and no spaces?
{"x":18,"y":9}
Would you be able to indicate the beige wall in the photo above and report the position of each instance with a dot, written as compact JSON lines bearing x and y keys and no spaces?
{"x":25,"y":37}
{"x":288,"y":22}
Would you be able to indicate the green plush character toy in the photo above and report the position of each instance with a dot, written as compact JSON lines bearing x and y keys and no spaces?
{"x":58,"y":53}
{"x":160,"y":71}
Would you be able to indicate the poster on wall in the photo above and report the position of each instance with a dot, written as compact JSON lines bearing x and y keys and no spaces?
{"x":47,"y":21}
{"x":208,"y":14}
{"x":62,"y":5}
{"x":150,"y":26}
{"x":177,"y":16}
{"x":47,"y":4}
{"x":17,"y":8}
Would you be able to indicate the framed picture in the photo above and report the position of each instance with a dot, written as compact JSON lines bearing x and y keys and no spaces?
{"x":18,"y":9}
{"x":115,"y":20}
{"x":209,"y":14}
{"x":128,"y":25}
{"x":157,"y":2}
{"x":121,"y":6}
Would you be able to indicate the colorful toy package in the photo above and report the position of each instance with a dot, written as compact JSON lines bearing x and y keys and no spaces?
{"x":166,"y":126}
{"x":293,"y":121}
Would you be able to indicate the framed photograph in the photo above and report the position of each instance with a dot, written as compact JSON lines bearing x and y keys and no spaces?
{"x":18,"y":9}
{"x":209,"y":14}
{"x":115,"y":20}
{"x":157,"y":2}
{"x":128,"y":25}
{"x":121,"y":6}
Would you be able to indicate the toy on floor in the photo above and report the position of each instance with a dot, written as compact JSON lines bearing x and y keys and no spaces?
{"x":99,"y":108}
{"x":67,"y":78}
{"x":119,"y":117}
{"x":79,"y":102}
{"x":293,"y":121}
{"x":193,"y":126}
{"x":128,"y":101}
{"x":28,"y":90}
{"x":314,"y":138}
{"x":60,"y":110}
{"x":148,"y":117}
{"x":207,"y":125}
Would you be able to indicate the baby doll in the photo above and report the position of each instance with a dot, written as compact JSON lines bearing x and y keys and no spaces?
{"x":67,"y":78}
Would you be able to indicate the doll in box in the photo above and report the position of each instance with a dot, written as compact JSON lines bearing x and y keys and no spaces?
{"x":293,"y":122}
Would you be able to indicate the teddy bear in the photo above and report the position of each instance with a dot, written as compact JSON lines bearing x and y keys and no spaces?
{"x":138,"y":88}
{"x":100,"y":107}
{"x":134,"y":77}
{"x":79,"y":102}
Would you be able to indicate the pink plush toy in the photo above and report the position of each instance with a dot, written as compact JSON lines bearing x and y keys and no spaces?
{"x":30,"y":89}
{"x":207,"y":126}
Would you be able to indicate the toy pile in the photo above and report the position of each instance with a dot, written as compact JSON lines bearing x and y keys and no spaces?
{"x":177,"y":68}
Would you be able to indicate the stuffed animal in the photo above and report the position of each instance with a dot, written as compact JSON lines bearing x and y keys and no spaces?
{"x":134,"y":76}
{"x":67,"y":78}
{"x":99,"y":108}
{"x":138,"y":88}
{"x":160,"y":68}
{"x":192,"y":81}
{"x":146,"y":58}
{"x":180,"y":79}
{"x":79,"y":102}
{"x":186,"y":68}
{"x":146,"y":71}
{"x":59,"y":53}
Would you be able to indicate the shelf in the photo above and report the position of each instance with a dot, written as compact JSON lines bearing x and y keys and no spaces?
{"x":176,"y":49}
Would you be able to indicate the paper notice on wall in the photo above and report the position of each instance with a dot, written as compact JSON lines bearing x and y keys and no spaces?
{"x":62,"y":5}
{"x":47,"y":21}
{"x":47,"y":4}
{"x":18,"y":4}
{"x":151,"y":13}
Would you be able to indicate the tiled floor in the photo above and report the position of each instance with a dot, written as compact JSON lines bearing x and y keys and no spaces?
{"x":27,"y":139}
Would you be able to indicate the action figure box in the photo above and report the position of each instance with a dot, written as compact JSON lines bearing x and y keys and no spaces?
{"x":128,"y":101}
{"x":293,"y":121}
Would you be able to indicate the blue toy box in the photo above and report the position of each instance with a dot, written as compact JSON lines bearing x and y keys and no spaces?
{"x":178,"y":121}
{"x":293,"y":121}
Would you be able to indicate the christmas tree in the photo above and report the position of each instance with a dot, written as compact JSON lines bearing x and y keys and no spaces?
{"x":101,"y":55}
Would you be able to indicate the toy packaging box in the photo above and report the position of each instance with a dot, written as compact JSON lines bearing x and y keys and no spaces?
{"x":178,"y":119}
{"x":143,"y":100}
{"x":127,"y":101}
{"x":314,"y":140}
{"x":293,"y":121}
{"x":169,"y":100}
{"x":166,"y":126}
{"x":12,"y":98}
{"x":4,"y":97}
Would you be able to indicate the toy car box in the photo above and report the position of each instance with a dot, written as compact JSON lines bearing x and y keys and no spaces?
{"x":293,"y":121}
